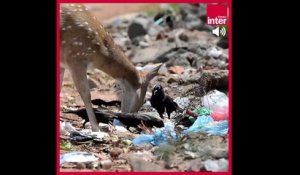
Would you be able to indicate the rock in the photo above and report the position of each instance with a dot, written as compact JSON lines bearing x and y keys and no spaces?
{"x":176,"y":69}
{"x":150,"y":54}
{"x":171,"y":80}
{"x":142,"y":162}
{"x":80,"y":166}
{"x":171,"y":39}
{"x":136,"y":40}
{"x":190,"y":154}
{"x":160,"y":36}
{"x":183,"y":102}
{"x":135,"y":30}
{"x":219,"y":153}
{"x":223,"y":43}
{"x":163,"y":70}
{"x":92,"y":165}
{"x":186,"y":9}
{"x":220,"y":165}
{"x":214,"y":52}
{"x":192,"y":22}
{"x":180,"y":58}
{"x":202,"y":12}
{"x":106,"y":164}
{"x":115,"y":152}
{"x":164,"y":151}
{"x":143,"y":20}
{"x":154,"y":30}
{"x":195,"y":166}
{"x":144,"y":146}
{"x":194,"y":17}
{"x":123,"y":42}
{"x":184,"y":37}
{"x":209,"y":79}
{"x":144,"y":44}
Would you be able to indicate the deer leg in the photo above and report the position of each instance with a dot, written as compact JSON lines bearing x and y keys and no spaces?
{"x":78,"y":73}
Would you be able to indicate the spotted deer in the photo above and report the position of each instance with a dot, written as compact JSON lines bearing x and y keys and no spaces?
{"x":84,"y":41}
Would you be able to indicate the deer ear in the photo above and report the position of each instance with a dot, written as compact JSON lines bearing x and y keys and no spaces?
{"x":152,"y":73}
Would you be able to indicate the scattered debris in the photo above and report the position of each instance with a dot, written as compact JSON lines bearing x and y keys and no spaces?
{"x":176,"y":69}
{"x":216,"y":165}
{"x":77,"y":157}
{"x":193,"y":72}
{"x":206,"y":124}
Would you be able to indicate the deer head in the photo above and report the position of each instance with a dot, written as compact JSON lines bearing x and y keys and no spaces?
{"x":133,"y":97}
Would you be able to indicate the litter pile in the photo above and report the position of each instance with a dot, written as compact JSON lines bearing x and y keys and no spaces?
{"x":194,"y":79}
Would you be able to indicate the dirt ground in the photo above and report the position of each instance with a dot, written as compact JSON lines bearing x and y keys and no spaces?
{"x":106,"y":11}
{"x":125,"y":157}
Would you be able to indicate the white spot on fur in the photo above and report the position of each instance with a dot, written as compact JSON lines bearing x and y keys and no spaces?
{"x":69,"y":13}
{"x":63,"y":42}
{"x":69,"y":27}
{"x":96,"y":33}
{"x":78,"y":53}
{"x":63,"y":29}
{"x":80,"y":43}
{"x":72,"y":5}
{"x":86,"y":23}
{"x":89,"y":48}
{"x":94,"y":51}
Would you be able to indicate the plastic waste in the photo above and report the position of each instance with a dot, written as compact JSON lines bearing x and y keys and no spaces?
{"x":220,"y":165}
{"x":191,"y":113}
{"x":127,"y":142}
{"x":80,"y":138}
{"x":183,"y":102}
{"x":97,"y":136}
{"x":143,"y":138}
{"x":218,"y":103}
{"x":202,"y":111}
{"x":66,"y":127}
{"x":161,"y":135}
{"x":214,"y":52}
{"x":119,"y":126}
{"x":77,"y":157}
{"x":206,"y":124}
{"x":220,"y":113}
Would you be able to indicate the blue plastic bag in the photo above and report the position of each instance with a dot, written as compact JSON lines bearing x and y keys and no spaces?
{"x":143,"y":138}
{"x":206,"y":124}
{"x":160,"y":135}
